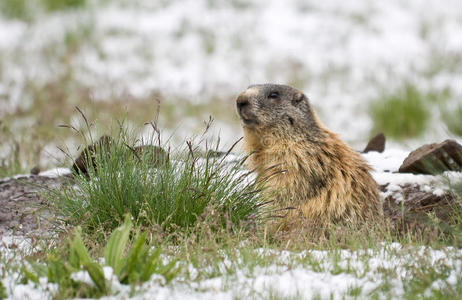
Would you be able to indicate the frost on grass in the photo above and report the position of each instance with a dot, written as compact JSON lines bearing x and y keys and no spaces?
{"x":385,"y":171}
{"x":343,"y":54}
{"x":390,"y":270}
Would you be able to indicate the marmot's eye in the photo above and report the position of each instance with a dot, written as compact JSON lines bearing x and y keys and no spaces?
{"x":273,"y":95}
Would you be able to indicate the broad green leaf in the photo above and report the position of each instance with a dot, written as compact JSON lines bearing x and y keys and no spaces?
{"x":94,"y":269}
{"x":74,"y":260}
{"x":169,"y":271}
{"x":97,"y":275}
{"x":57,"y":270}
{"x":133,"y":259}
{"x":3,"y":294}
{"x":78,"y":247}
{"x":116,"y":245}
{"x":151,"y":265}
{"x":29,"y":275}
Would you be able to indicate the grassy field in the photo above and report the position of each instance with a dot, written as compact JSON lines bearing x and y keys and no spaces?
{"x":189,"y":223}
{"x":94,"y":57}
{"x":198,"y":225}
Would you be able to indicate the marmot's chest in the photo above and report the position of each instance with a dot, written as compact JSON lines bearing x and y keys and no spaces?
{"x":296,"y":175}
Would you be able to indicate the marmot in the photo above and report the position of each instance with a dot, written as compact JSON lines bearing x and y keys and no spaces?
{"x":319,"y":175}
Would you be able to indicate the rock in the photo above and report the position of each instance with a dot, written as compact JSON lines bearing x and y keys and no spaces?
{"x":154,"y":155}
{"x":88,"y":155}
{"x":413,"y":207}
{"x":35,"y":170}
{"x":377,"y":143}
{"x":213,"y":153}
{"x":434,"y":159}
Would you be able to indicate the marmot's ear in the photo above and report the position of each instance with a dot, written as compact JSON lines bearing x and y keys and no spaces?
{"x":299,"y":97}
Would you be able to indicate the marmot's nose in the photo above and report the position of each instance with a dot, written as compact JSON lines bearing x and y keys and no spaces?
{"x":241,"y":102}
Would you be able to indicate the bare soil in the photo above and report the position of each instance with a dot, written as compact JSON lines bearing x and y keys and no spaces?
{"x":23,"y":211}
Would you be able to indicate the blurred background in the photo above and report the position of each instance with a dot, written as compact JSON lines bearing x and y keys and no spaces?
{"x":367,"y":66}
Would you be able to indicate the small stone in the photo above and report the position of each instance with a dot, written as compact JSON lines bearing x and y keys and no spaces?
{"x":377,"y":143}
{"x":87,"y":157}
{"x":35,"y":170}
{"x":154,"y":155}
{"x":434,"y":159}
{"x":213,"y":153}
{"x":86,"y":161}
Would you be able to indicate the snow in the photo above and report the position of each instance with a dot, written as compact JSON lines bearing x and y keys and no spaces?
{"x":343,"y":55}
{"x":56,"y":172}
{"x":284,"y":276}
{"x":385,"y":172}
{"x":388,"y":161}
{"x":51,"y":173}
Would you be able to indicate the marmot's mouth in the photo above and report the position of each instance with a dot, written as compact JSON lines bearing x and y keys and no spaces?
{"x":249,"y":122}
{"x":248,"y":119}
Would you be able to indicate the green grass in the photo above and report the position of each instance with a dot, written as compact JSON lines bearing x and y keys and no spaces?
{"x":28,"y":9}
{"x":180,"y":188}
{"x":454,"y":226}
{"x":214,"y":251}
{"x":192,"y":210}
{"x":453,"y":120}
{"x":15,"y":9}
{"x":133,"y":262}
{"x":11,"y":164}
{"x":56,"y":5}
{"x":402,"y":114}
{"x":12,"y":161}
{"x":185,"y":188}
{"x":2,"y":291}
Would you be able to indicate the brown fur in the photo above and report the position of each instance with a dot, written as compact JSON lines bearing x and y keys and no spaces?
{"x":315,"y":172}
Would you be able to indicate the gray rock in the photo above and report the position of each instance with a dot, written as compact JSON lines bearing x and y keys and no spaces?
{"x":377,"y":143}
{"x":434,"y":159}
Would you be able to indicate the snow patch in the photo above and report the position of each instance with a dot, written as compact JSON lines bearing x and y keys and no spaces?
{"x":57,"y":172}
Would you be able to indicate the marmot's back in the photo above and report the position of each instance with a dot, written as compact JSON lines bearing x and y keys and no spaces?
{"x":317,"y":173}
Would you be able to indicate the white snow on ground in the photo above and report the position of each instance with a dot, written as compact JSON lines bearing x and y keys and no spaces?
{"x":385,"y":171}
{"x":52,"y":173}
{"x":343,"y":54}
{"x":326,"y":274}
{"x":388,"y":161}
{"x":57,"y":172}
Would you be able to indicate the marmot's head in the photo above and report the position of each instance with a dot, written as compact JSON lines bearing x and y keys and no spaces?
{"x":277,"y":110}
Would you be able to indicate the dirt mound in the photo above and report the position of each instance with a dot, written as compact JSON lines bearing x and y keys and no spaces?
{"x":22,"y":209}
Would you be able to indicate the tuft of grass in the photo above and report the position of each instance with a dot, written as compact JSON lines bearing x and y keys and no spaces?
{"x":208,"y":250}
{"x":132,"y":262}
{"x":56,"y":5}
{"x":14,"y":9}
{"x":430,"y":279}
{"x":454,"y":225}
{"x":354,"y":292}
{"x":400,"y":115}
{"x":12,"y":162}
{"x":26,"y":10}
{"x":176,"y":191}
{"x":2,"y":291}
{"x":139,"y":263}
{"x":453,"y":120}
{"x":11,"y":165}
